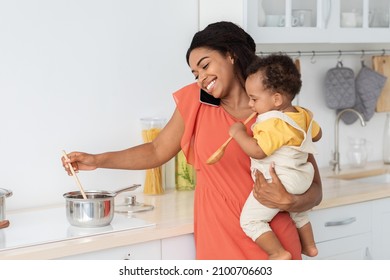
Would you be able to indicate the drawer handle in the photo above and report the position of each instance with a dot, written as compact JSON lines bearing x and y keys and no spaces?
{"x":341,"y":223}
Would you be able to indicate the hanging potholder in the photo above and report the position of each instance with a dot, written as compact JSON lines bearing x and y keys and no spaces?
{"x":340,"y":87}
{"x":369,"y":85}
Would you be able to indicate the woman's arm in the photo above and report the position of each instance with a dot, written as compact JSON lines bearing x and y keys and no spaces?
{"x":274,"y":195}
{"x":145,"y":156}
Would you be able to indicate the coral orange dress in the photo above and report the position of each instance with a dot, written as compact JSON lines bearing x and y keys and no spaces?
{"x":222,"y":188}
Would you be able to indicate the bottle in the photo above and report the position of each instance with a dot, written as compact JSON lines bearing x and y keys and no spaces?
{"x":155,"y":177}
{"x":260,"y":14}
{"x":357,"y":153}
{"x":386,"y":140}
{"x":185,"y":175}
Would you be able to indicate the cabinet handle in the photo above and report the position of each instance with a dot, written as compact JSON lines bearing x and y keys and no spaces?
{"x":341,"y":223}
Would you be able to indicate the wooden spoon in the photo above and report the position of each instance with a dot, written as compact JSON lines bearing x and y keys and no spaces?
{"x":75,"y":176}
{"x":218,"y":154}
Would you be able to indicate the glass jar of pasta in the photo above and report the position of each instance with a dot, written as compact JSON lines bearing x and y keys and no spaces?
{"x":155,"y":177}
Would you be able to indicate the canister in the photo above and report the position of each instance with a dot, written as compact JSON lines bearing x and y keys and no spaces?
{"x":155,"y":177}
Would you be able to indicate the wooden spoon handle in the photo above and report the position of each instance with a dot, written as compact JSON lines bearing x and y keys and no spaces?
{"x":245,"y":122}
{"x":4,"y":224}
{"x":250,"y":117}
{"x":75,"y":176}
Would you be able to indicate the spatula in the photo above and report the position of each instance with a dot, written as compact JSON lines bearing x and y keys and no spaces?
{"x":75,"y":176}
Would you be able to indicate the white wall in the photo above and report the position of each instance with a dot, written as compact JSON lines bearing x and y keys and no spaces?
{"x":78,"y":75}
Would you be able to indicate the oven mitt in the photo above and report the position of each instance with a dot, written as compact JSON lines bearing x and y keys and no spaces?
{"x":368,"y":85}
{"x":340,"y":87}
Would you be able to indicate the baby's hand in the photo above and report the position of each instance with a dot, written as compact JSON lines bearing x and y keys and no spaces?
{"x":236,"y":128}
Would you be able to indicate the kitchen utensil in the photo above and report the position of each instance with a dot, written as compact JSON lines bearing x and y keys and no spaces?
{"x":381,"y":64}
{"x":4,"y":224}
{"x":96,"y":210}
{"x":75,"y":176}
{"x":4,"y":193}
{"x":218,"y":154}
{"x":131,"y":205}
{"x":297,"y":63}
{"x":368,"y":86}
{"x":340,"y":87}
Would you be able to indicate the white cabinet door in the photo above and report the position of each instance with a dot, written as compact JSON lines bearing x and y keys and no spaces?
{"x":357,"y":247}
{"x":303,"y":21}
{"x":150,"y":250}
{"x":178,"y":248}
{"x":381,"y":229}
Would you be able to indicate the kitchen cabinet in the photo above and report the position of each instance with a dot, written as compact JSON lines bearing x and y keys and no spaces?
{"x":304,"y":21}
{"x":178,"y":248}
{"x":343,"y":232}
{"x":381,"y":229}
{"x":150,"y":250}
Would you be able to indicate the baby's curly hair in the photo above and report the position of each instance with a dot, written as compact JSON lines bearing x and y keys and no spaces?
{"x":279,"y":74}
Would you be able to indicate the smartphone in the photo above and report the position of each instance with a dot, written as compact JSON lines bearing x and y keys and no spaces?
{"x":209,"y":99}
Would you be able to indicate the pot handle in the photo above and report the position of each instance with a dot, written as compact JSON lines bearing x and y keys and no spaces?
{"x":8,"y":193}
{"x":129,"y":188}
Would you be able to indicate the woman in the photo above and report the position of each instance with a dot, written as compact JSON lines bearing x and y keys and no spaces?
{"x":218,"y":57}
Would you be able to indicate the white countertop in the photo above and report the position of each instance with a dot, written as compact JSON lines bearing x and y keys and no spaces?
{"x":45,"y":233}
{"x":50,"y":225}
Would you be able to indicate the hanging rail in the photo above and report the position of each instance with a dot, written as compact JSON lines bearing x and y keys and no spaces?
{"x":327,"y":53}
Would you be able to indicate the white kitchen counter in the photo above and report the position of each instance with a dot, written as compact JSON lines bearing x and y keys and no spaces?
{"x":32,"y":237}
{"x":45,"y":233}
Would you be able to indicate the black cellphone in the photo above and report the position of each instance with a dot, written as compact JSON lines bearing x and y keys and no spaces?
{"x":209,"y":99}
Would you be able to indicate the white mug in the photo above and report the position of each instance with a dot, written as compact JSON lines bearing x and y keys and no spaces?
{"x":274,"y":20}
{"x":303,"y":16}
{"x":279,"y":21}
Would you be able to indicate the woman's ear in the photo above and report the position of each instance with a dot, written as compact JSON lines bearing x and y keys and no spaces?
{"x":231,"y":57}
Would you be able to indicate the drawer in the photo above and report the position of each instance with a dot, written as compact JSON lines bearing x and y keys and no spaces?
{"x":357,"y":247}
{"x":342,"y":221}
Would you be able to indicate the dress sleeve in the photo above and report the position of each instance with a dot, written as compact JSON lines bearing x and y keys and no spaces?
{"x":188,"y":104}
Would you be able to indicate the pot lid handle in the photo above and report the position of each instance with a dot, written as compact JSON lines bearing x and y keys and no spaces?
{"x":5,"y":192}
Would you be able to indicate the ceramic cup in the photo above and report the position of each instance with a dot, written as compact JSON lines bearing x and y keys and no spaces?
{"x":279,"y":21}
{"x":274,"y":20}
{"x":303,"y":16}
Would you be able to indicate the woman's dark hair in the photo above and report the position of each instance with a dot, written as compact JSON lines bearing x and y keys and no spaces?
{"x":227,"y":38}
{"x":279,"y":74}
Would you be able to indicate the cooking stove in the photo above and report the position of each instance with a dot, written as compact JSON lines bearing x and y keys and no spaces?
{"x":50,"y":225}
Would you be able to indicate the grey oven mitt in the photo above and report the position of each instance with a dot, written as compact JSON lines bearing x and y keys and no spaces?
{"x":340,"y":87}
{"x":368,"y":85}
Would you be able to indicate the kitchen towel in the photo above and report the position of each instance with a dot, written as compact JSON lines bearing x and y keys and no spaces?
{"x":368,"y":85}
{"x":340,"y":87}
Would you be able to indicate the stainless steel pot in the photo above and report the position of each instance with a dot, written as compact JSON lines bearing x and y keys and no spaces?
{"x":4,"y":193}
{"x":95,"y":211}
